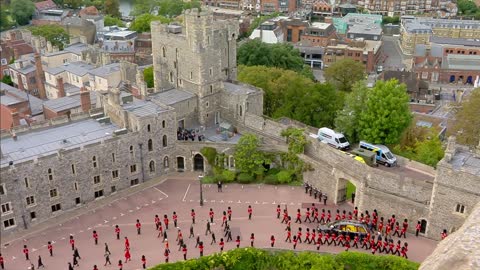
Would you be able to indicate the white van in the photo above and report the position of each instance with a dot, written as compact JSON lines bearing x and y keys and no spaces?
{"x":333,"y":138}
{"x":384,"y":155}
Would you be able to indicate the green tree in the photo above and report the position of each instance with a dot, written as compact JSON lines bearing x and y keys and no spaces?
{"x":74,"y":4}
{"x":142,"y":23}
{"x":289,"y":94}
{"x":173,"y":8}
{"x":148,"y":76}
{"x":467,"y":120}
{"x":142,"y":7}
{"x":429,"y":151}
{"x":53,"y":33}
{"x":109,"y":21}
{"x":392,"y":20}
{"x":248,"y":158}
{"x":257,"y":53}
{"x":112,"y":7}
{"x":420,"y":144}
{"x":386,"y":113}
{"x":259,"y":20}
{"x":7,"y":80}
{"x":22,"y":11}
{"x":347,"y":119}
{"x":467,"y":7}
{"x":344,"y":73}
{"x":5,"y":18}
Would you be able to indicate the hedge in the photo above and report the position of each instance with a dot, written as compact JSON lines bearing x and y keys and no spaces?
{"x":245,"y":178}
{"x":252,"y":258}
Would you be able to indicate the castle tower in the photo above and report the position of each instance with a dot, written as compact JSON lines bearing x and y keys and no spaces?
{"x":196,"y":58}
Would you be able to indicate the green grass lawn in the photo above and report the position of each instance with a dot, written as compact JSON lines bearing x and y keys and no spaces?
{"x":350,"y":189}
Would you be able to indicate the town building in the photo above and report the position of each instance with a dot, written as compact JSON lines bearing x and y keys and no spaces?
{"x":398,"y":7}
{"x":269,"y":32}
{"x":282,"y":29}
{"x":367,"y":32}
{"x":343,"y":24}
{"x":367,"y":52}
{"x":418,"y":30}
{"x":12,"y":48}
{"x":319,"y":34}
{"x":23,"y":74}
{"x":80,"y":102}
{"x":417,"y":88}
{"x":67,"y":79}
{"x":18,"y":107}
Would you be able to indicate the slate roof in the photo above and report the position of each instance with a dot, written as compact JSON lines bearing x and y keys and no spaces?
{"x":461,"y":62}
{"x":78,"y":68}
{"x":36,"y":104}
{"x":172,"y":96}
{"x":48,"y":4}
{"x":143,"y":108}
{"x":239,"y":89}
{"x":68,"y":102}
{"x":105,"y":70}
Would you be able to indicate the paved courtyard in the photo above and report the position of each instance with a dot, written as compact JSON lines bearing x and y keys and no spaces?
{"x":180,"y":194}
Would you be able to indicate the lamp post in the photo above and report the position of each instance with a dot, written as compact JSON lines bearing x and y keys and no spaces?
{"x":200,"y":177}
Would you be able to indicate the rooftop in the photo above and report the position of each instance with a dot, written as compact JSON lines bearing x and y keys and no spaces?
{"x":78,"y":68}
{"x":143,"y":108}
{"x":466,"y":161}
{"x":455,"y":41}
{"x":38,"y":143}
{"x":105,"y":70}
{"x":68,"y":102}
{"x":320,"y":25}
{"x":36,"y":104}
{"x":76,"y":48}
{"x":371,"y":29}
{"x":461,"y":62}
{"x":172,"y":96}
{"x":239,"y":89}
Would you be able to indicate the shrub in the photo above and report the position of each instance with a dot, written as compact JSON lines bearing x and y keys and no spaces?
{"x":273,"y":171}
{"x":284,"y":177}
{"x":271,"y":179}
{"x":208,"y":179}
{"x":245,"y":178}
{"x":228,"y":176}
{"x":210,"y":154}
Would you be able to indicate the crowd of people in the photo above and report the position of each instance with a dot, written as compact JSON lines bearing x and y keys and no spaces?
{"x":189,"y":134}
{"x":378,"y":238}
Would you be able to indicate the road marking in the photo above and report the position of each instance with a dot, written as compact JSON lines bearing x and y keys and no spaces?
{"x":44,"y":246}
{"x":122,"y":214}
{"x":114,"y":218}
{"x":153,"y":201}
{"x":14,"y":258}
{"x":212,"y":201}
{"x":221,"y":201}
{"x":186,"y":192}
{"x":160,"y":199}
{"x":247,"y":202}
{"x":34,"y":249}
{"x":88,"y":229}
{"x":265,"y":203}
{"x":130,"y":210}
{"x":273,"y":202}
{"x":166,"y":196}
{"x":81,"y":231}
{"x":256,"y":202}
{"x":191,"y":200}
{"x":239,"y":201}
{"x":53,"y":242}
{"x":138,"y":208}
{"x":292,"y":203}
{"x":63,"y":238}
{"x":105,"y":221}
{"x":230,"y":201}
{"x":146,"y":204}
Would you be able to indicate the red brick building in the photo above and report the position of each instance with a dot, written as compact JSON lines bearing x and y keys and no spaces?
{"x":12,"y":48}
{"x":16,"y":107}
{"x":319,"y":34}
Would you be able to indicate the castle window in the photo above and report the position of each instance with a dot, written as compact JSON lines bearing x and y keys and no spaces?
{"x":113,"y":157}
{"x":30,"y":200}
{"x":133,"y":168}
{"x":207,"y":104}
{"x":98,"y":193}
{"x":94,"y":161}
{"x":115,"y":174}
{"x":460,"y":208}
{"x":163,"y":124}
{"x":96,"y":179}
{"x":240,"y":112}
{"x":53,"y":193}
{"x":211,"y":89}
{"x":9,"y":223}
{"x":164,"y":53}
{"x":131,"y":149}
{"x":75,"y":186}
{"x":211,"y":71}
{"x":174,"y":64}
{"x":151,"y":166}
{"x":27,"y":184}
{"x":73,"y":168}
{"x":6,"y":208}
{"x":50,"y":174}
{"x":164,"y":140}
{"x":208,"y":40}
{"x":2,"y":189}
{"x":191,"y":75}
{"x":165,"y":162}
{"x":148,"y":127}
{"x":170,"y":75}
{"x":56,"y":207}
{"x":150,"y":145}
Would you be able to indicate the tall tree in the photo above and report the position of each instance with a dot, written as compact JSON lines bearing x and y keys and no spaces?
{"x":112,"y":7}
{"x":109,"y":21}
{"x":148,"y":76}
{"x":467,"y":120}
{"x":258,"y":53}
{"x":142,"y":23}
{"x":22,"y":11}
{"x":344,"y":73}
{"x":289,"y":94}
{"x":248,"y":158}
{"x":5,"y":21}
{"x":347,"y":119}
{"x":386,"y":114}
{"x":53,"y":33}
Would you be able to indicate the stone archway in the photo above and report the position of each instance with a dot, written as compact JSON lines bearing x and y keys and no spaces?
{"x":345,"y":186}
{"x":180,"y":164}
{"x":198,"y":163}
{"x":423,"y":226}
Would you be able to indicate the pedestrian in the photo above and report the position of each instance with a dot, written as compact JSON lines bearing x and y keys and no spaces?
{"x":167,"y":245}
{"x":299,"y":217}
{"x":198,"y":241}
{"x":157,"y":222}
{"x":306,"y":187}
{"x":299,"y":235}
{"x":320,"y":196}
{"x":295,"y":241}
{"x":329,"y":216}
{"x":165,"y":221}
{"x":138,"y":225}
{"x":95,"y":237}
{"x":325,"y":199}
{"x":404,"y":250}
{"x":289,"y":235}
{"x":166,"y":253}
{"x":211,"y":214}
{"x":355,"y":212}
{"x":219,"y":186}
{"x":184,"y":250}
{"x":127,"y":255}
{"x":444,"y":234}
{"x":315,"y":216}
{"x":175,"y":219}
{"x":2,"y":263}
{"x":272,"y":241}
{"x":322,"y":216}
{"x":224,"y":218}
{"x":191,"y":232}
{"x":404,"y":229}
{"x":337,"y":216}
{"x":207,"y":231}
{"x":221,"y":244}
{"x":192,"y":214}
{"x":353,"y":197}
{"x":40,"y":263}
{"x":95,"y":267}
{"x":107,"y":257}
{"x":127,"y":243}
{"x":229,"y":212}
{"x":72,"y":242}
{"x":250,"y":211}
{"x":144,"y":262}
{"x":107,"y":249}
{"x":200,"y":248}
{"x":213,"y":239}
{"x":117,"y":232}
{"x":252,"y":239}
{"x":160,"y":230}
{"x":417,"y":228}
{"x":50,"y":248}
{"x":70,"y":267}
{"x":398,"y":247}
{"x":355,"y":241}
{"x":120,"y":265}
{"x":312,"y":239}
{"x":279,"y":210}
{"x":238,"y":241}
{"x":397,"y":230}
{"x":229,"y":236}
{"x":76,"y":253}
{"x":307,"y":236}
{"x":75,"y":261}
{"x":344,"y":215}
{"x":32,"y":267}
{"x":307,"y":216}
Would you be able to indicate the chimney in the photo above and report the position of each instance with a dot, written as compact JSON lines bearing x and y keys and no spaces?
{"x":40,"y":77}
{"x":60,"y":87}
{"x":85,"y":99}
{"x":15,"y":117}
{"x":20,"y":82}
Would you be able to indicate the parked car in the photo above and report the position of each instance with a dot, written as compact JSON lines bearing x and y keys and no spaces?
{"x":350,"y":227}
